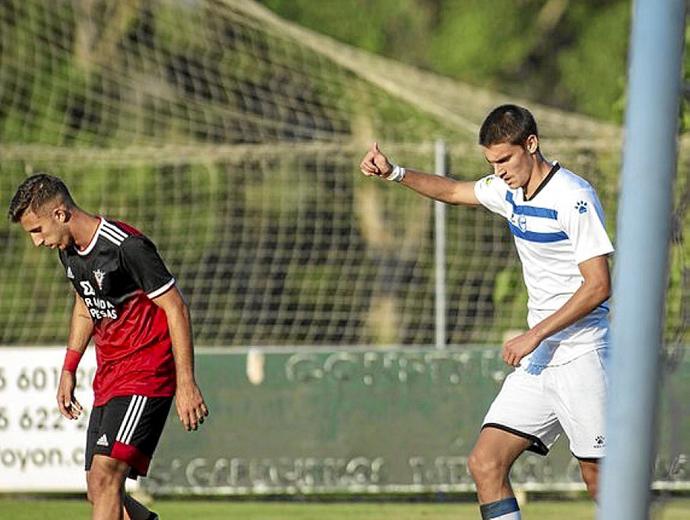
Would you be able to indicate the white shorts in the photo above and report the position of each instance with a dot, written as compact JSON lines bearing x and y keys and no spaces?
{"x":566,"y":398}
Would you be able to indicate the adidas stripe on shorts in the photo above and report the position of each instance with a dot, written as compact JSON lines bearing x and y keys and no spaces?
{"x":128,"y":429}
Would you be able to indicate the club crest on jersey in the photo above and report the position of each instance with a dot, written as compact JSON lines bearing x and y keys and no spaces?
{"x":519,"y":221}
{"x":99,"y":276}
{"x":522,"y":222}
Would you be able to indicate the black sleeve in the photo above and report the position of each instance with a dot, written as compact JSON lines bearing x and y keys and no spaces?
{"x":63,"y":258}
{"x":140,"y":259}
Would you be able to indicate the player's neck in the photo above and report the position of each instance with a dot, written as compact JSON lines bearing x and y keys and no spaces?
{"x":541,"y":170}
{"x":83,"y":227}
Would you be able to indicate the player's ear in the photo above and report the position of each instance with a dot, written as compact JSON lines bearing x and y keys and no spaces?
{"x":61,"y":214}
{"x":532,"y":143}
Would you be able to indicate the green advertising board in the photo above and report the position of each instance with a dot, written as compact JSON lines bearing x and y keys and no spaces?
{"x":348,"y":420}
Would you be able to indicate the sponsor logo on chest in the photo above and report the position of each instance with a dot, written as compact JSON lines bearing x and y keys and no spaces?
{"x":99,"y":308}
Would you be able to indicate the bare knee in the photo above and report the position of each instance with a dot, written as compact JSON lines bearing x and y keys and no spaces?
{"x":100,"y":483}
{"x":103,"y":480}
{"x":484,"y":467}
{"x":492,"y":456}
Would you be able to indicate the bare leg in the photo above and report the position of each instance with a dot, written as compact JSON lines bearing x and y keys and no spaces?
{"x":105,"y":482}
{"x":590,"y":474}
{"x":490,"y":462}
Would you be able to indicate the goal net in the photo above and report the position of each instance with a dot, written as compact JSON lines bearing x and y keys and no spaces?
{"x":232,"y":138}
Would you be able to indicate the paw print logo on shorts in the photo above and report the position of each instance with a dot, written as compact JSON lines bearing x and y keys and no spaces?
{"x":581,"y":206}
{"x":600,"y":440}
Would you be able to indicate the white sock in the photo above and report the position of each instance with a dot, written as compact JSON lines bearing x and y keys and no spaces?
{"x":515,"y":515}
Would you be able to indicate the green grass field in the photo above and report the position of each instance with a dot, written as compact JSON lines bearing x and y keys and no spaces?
{"x":220,"y":510}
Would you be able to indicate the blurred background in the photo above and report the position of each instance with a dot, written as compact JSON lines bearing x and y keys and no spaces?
{"x":230,"y":132}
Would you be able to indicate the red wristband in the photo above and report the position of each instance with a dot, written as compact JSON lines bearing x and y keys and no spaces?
{"x":72,"y":359}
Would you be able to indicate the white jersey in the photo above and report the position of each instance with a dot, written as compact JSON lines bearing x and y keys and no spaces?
{"x":561,"y":226}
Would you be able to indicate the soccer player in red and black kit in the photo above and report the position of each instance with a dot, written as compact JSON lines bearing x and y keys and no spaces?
{"x":126,"y":299}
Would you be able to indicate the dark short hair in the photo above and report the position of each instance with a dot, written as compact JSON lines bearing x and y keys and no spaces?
{"x":35,"y":192}
{"x":507,"y":124}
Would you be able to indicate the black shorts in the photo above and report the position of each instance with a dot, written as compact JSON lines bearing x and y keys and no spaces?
{"x":127,"y":428}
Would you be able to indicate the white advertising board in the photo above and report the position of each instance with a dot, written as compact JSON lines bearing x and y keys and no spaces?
{"x":41,"y":451}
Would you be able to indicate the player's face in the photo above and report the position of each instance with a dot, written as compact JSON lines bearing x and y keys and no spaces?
{"x":512,"y":162}
{"x":47,"y":228}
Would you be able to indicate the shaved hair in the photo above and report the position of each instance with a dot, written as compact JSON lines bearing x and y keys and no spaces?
{"x":36,"y":192}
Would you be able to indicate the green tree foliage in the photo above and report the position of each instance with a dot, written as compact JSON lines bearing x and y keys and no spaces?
{"x":566,"y":53}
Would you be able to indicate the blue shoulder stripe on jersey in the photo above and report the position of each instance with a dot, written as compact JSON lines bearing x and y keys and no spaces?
{"x":534,"y":236}
{"x":531,"y":211}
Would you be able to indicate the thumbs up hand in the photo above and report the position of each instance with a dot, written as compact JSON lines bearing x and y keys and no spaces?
{"x":375,"y":163}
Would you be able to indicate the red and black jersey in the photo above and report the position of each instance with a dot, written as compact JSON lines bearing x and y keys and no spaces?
{"x":117,"y":276}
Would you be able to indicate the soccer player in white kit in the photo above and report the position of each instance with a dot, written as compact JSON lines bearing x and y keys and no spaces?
{"x":559,"y":382}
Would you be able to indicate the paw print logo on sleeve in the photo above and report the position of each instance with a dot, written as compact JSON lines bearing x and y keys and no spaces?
{"x":581,"y":207}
